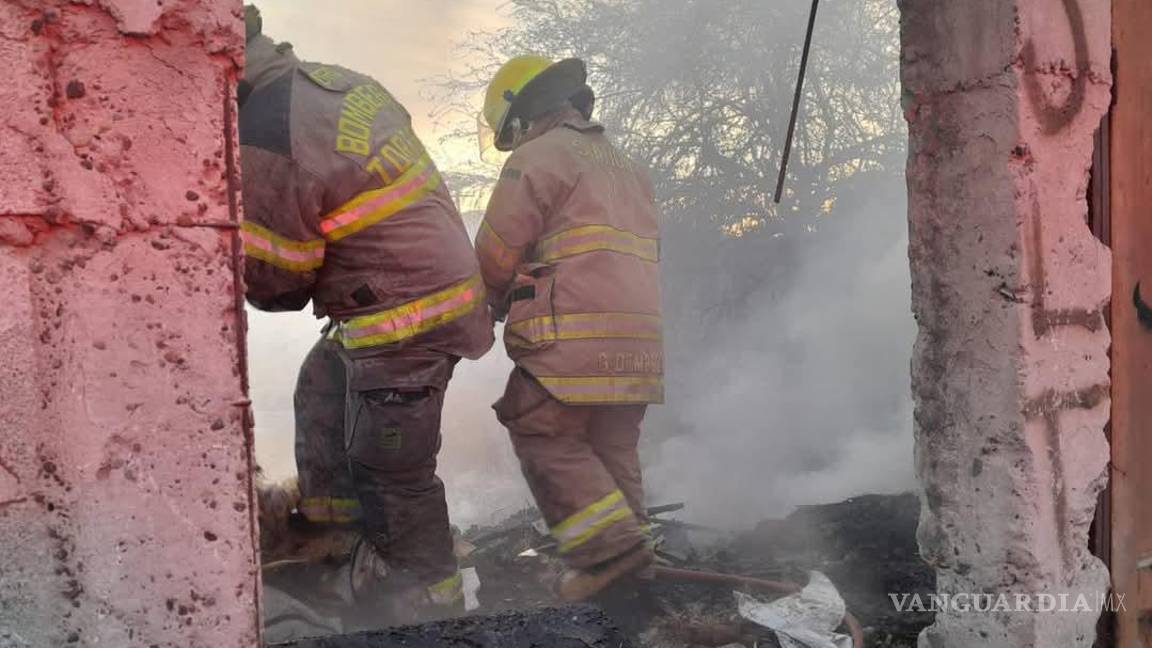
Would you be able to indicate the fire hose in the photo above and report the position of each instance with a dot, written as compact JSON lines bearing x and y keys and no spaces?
{"x":775,"y":587}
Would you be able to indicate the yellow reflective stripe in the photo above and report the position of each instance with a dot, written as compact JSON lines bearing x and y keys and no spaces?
{"x":591,"y":238}
{"x":563,"y":532}
{"x":605,"y":389}
{"x":374,"y":206}
{"x":335,"y":510}
{"x":618,"y":515}
{"x":489,"y":243}
{"x":413,"y":318}
{"x":264,"y":244}
{"x":447,"y":591}
{"x":587,"y":326}
{"x":591,"y":521}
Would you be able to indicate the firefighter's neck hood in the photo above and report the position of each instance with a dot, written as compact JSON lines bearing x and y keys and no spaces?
{"x":568,"y":116}
{"x":265,"y":61}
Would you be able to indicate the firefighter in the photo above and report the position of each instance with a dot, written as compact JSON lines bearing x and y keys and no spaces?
{"x":345,"y":208}
{"x":569,"y":252}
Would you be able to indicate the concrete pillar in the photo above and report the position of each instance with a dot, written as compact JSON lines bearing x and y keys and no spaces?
{"x":126,"y":514}
{"x":1010,"y":371}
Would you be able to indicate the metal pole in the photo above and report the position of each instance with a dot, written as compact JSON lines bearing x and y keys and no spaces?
{"x":796,"y":102}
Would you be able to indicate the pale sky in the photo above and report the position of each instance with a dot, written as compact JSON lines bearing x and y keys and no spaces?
{"x":400,"y":44}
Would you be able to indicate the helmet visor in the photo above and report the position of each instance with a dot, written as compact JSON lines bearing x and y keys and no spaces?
{"x":486,"y":142}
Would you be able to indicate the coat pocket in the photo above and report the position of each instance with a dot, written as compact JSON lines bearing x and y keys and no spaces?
{"x":531,"y":315}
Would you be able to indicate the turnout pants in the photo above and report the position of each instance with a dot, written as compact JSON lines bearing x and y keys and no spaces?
{"x":367,"y":436}
{"x":582,"y":466}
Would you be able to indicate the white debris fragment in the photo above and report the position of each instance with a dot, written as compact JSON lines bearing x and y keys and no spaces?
{"x":806,"y":619}
{"x":471,"y":584}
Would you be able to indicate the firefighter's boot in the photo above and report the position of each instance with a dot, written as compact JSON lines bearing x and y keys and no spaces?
{"x":582,"y":584}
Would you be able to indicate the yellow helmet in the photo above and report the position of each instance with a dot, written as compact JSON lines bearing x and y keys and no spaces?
{"x":506,"y":92}
{"x":509,"y":80}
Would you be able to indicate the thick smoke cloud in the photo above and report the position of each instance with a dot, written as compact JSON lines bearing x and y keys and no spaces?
{"x":803,"y":399}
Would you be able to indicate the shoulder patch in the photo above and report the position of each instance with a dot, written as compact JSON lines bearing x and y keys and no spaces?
{"x":328,"y":77}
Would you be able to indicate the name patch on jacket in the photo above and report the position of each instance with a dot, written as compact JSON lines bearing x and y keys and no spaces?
{"x":649,"y":363}
{"x":358,"y":113}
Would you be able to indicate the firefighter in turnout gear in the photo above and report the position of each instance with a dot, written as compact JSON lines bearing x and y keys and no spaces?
{"x":569,"y":251}
{"x":345,"y":208}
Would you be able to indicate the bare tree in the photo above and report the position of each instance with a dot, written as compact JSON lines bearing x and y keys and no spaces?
{"x":699,"y":90}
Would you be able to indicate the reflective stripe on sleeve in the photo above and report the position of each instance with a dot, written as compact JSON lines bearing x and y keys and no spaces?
{"x":271,"y":248}
{"x":490,"y":245}
{"x":374,"y":206}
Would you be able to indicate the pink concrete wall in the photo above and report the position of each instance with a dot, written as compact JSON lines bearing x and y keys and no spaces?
{"x":1010,"y":371}
{"x":125,"y":484}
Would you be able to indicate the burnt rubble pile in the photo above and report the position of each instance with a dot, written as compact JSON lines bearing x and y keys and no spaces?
{"x":866,"y":546}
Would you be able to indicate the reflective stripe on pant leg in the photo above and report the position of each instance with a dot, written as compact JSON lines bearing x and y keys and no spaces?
{"x":592,"y":520}
{"x":448,"y":591}
{"x":330,"y":510}
{"x":568,"y":481}
{"x":614,"y":432}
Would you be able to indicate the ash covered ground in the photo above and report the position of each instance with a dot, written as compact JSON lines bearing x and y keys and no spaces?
{"x":865,"y":545}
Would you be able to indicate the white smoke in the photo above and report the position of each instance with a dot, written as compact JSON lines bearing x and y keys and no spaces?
{"x":277,"y":344}
{"x":806,"y":399}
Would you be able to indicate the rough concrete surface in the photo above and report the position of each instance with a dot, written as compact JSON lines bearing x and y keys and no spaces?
{"x":125,"y":485}
{"x":1010,"y":371}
